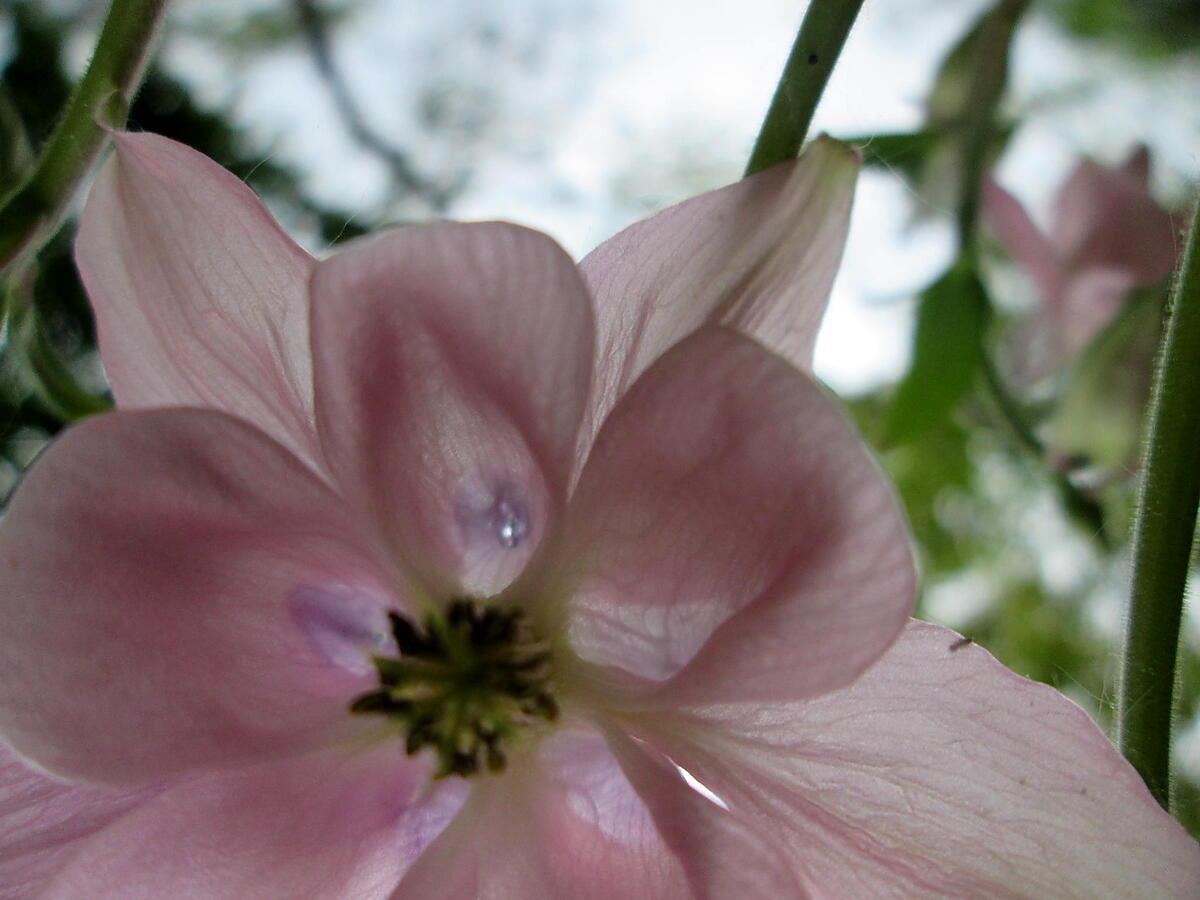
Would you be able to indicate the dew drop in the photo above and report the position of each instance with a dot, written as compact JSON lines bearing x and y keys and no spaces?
{"x":509,"y":522}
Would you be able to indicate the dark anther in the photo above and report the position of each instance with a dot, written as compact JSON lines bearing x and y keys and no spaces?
{"x":408,"y":639}
{"x":464,"y":684}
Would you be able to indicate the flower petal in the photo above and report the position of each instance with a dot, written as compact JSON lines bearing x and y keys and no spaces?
{"x":567,"y":824}
{"x":940,"y":773}
{"x":760,"y":255}
{"x":722,"y":856}
{"x":320,"y":826}
{"x":200,"y":298}
{"x":731,"y":530}
{"x":44,"y":821}
{"x":452,"y":365}
{"x":1022,"y":240}
{"x":1108,"y":218}
{"x":148,"y":561}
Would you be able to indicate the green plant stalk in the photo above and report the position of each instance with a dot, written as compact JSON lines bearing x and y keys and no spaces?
{"x":43,"y":374}
{"x":818,"y":45}
{"x":1162,"y":537}
{"x":31,"y":214}
{"x":1079,"y":506}
{"x":979,"y":115}
{"x":978,"y":118}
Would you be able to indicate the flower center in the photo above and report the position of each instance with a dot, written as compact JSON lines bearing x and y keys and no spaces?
{"x":466,"y":683}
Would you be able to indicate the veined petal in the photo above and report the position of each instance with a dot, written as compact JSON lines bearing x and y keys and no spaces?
{"x":939,"y":773}
{"x":323,"y":826}
{"x":732,"y":533}
{"x":200,"y":298}
{"x":452,"y":365}
{"x":44,"y":821}
{"x":565,"y":824}
{"x":148,"y":562}
{"x":722,"y":856}
{"x":760,"y":255}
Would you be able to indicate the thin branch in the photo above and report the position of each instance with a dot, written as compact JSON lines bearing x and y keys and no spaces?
{"x":312,"y":23}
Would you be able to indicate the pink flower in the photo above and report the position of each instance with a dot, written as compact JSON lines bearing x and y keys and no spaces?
{"x":556,"y":549}
{"x":1109,"y":236}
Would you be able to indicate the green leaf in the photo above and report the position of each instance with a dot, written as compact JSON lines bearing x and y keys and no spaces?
{"x":947,"y":354}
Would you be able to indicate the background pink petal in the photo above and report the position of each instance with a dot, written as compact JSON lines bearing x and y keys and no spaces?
{"x":1022,"y":240}
{"x":940,"y":773}
{"x":1089,"y":301}
{"x":760,"y":255}
{"x":452,"y":365}
{"x":1107,"y":217}
{"x":200,"y":298}
{"x":321,"y":826}
{"x":730,"y":523}
{"x":44,"y":821}
{"x":148,"y":560}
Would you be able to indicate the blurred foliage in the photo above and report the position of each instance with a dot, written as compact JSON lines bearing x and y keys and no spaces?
{"x":1148,"y":28}
{"x":1008,"y":489}
{"x":952,"y":319}
{"x":1096,"y":424}
{"x":261,"y":30}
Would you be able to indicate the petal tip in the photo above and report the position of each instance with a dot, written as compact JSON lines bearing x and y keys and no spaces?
{"x":837,"y":155}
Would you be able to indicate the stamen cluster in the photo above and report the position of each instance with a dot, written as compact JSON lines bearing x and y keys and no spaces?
{"x":465,"y":683}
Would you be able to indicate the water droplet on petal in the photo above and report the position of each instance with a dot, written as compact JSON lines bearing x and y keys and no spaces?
{"x":509,"y":522}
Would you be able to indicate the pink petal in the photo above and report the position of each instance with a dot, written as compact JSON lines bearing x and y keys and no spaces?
{"x":1090,"y":299}
{"x":760,"y":255}
{"x":1107,"y":218}
{"x":452,"y":365}
{"x":566,"y":824}
{"x":321,"y":826}
{"x":730,"y":513}
{"x":939,"y":773}
{"x":723,"y":857}
{"x":1022,"y":240}
{"x":149,"y":558}
{"x":44,"y":821}
{"x":199,"y":295}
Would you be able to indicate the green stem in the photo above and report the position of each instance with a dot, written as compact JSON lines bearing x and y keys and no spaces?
{"x":1082,"y":508}
{"x":978,"y":118}
{"x":808,"y":66}
{"x":988,"y":83}
{"x":1162,"y":537}
{"x":31,"y":214}
{"x":1009,"y":409}
{"x":43,"y":373}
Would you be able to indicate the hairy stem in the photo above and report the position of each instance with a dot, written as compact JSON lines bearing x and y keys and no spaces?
{"x":808,"y":67}
{"x":31,"y":214}
{"x":1163,"y":533}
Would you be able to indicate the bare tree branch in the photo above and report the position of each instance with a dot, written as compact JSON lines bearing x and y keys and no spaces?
{"x":313,"y":24}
